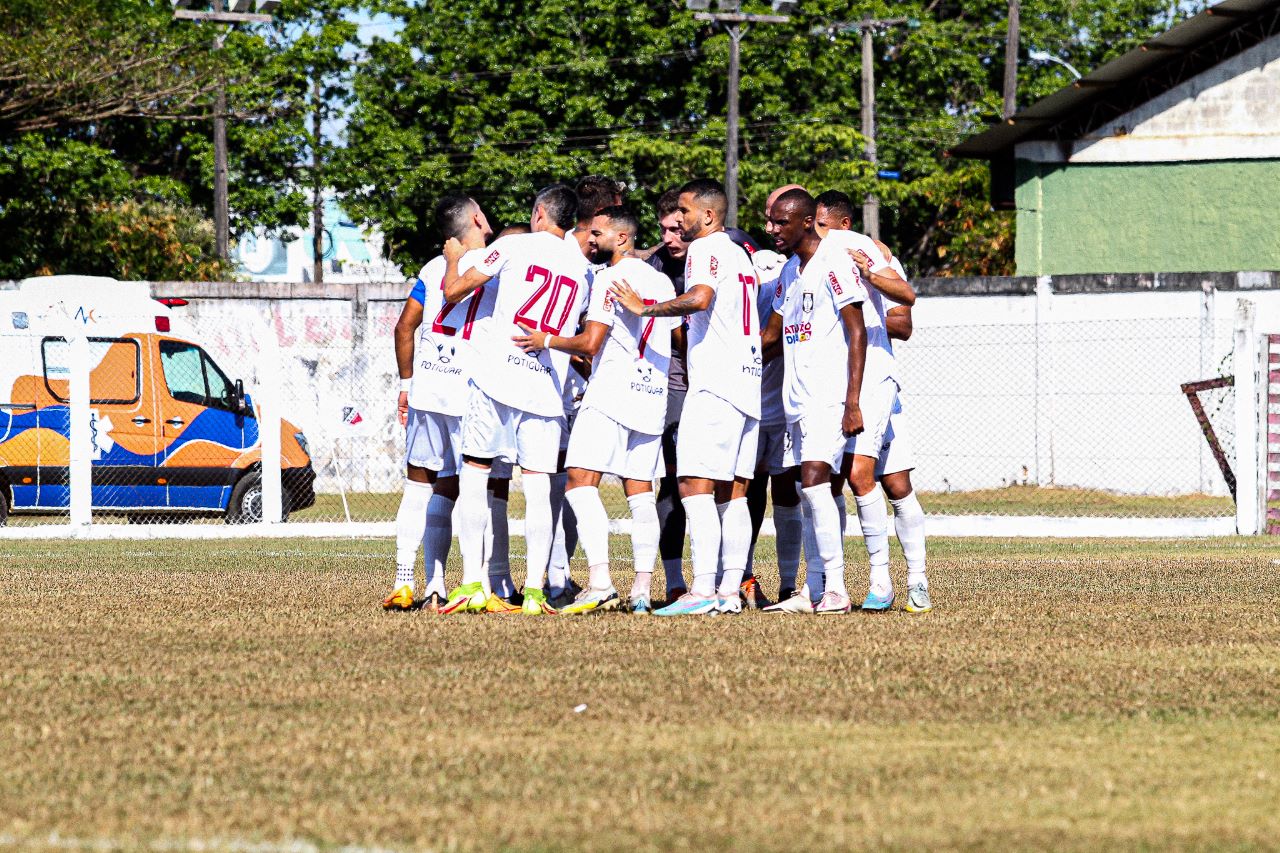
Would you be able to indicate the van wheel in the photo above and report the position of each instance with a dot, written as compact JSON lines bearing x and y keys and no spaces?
{"x":4,"y":507}
{"x":245,"y":506}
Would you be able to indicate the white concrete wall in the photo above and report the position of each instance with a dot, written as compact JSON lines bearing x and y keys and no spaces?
{"x":1227,"y":113}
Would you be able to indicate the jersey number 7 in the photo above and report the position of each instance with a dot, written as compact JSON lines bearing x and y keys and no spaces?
{"x":557,"y":285}
{"x":439,"y":328}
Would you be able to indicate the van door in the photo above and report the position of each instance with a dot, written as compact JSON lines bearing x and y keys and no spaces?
{"x":122,"y":427}
{"x":202,"y":435}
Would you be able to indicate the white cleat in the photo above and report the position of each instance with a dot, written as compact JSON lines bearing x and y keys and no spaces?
{"x":833,"y":603}
{"x":798,"y":603}
{"x":729,"y":606}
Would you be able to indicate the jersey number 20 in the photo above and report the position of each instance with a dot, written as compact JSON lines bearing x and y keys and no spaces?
{"x":558,"y":304}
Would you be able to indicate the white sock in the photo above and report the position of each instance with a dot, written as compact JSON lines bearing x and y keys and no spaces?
{"x":499,"y":546}
{"x":735,"y":542}
{"x":674,"y":570}
{"x":842,"y":508}
{"x":593,"y":532}
{"x":411,"y":520}
{"x":826,"y":530}
{"x":558,"y":565}
{"x":788,"y":531}
{"x":908,"y":522}
{"x":436,"y":542}
{"x":813,"y":571}
{"x":473,"y":517}
{"x":537,"y":528}
{"x":703,"y":521}
{"x":644,"y":536}
{"x":875,"y":532}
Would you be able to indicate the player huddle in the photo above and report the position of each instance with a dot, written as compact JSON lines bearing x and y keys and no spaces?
{"x":720,"y":370}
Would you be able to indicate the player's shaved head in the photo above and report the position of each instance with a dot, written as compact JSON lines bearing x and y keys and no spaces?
{"x":798,"y":202}
{"x":621,"y":218}
{"x":837,"y":204}
{"x":773,"y":196}
{"x":709,"y":195}
{"x":560,"y":204}
{"x":595,"y":193}
{"x":453,"y":215}
{"x":514,"y":229}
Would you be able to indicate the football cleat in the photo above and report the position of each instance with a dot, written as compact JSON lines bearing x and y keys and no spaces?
{"x":401,"y":598}
{"x":690,"y":605}
{"x":591,"y":601}
{"x":877,"y":604}
{"x":494,"y":604}
{"x":833,"y":603}
{"x":535,"y":603}
{"x":640,"y":605}
{"x":918,"y":600}
{"x":433,"y":602}
{"x":729,"y":606}
{"x":798,"y":603}
{"x":467,"y":598}
{"x":752,"y":594}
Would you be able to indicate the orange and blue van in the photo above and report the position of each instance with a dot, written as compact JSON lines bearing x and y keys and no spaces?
{"x":173,"y":436}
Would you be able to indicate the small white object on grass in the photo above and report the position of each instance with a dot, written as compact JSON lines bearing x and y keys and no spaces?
{"x":578,"y":709}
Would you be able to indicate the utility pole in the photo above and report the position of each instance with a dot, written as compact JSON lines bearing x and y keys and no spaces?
{"x":734,"y":19}
{"x":867,"y":27}
{"x":317,"y":185}
{"x":1011,"y":60}
{"x":220,"y":15}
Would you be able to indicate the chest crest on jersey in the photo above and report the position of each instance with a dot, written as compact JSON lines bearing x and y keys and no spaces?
{"x":806,"y":303}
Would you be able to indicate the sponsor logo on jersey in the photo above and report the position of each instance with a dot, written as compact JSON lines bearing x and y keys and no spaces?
{"x":493,"y":256}
{"x":528,"y":362}
{"x":798,"y":332}
{"x":608,"y":300}
{"x":806,"y":303}
{"x":865,"y":257}
{"x":834,"y":282}
{"x":715,"y":265}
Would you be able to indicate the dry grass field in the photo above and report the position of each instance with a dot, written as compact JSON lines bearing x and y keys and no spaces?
{"x":252,"y":696}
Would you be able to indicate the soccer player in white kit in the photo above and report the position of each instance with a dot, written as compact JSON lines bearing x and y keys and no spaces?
{"x":868,"y":455}
{"x":515,"y":406}
{"x":819,"y":320}
{"x":432,"y":361}
{"x":619,"y":425}
{"x":716,"y":448}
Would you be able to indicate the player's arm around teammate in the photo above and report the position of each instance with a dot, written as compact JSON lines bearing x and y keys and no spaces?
{"x":716,"y":451}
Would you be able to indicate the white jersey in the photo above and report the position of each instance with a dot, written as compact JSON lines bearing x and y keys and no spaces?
{"x":880,"y":363}
{"x":769,"y":266}
{"x":629,"y":377}
{"x":886,"y":303}
{"x":443,"y":354}
{"x":541,"y":281}
{"x":815,"y":346}
{"x":724,"y":340}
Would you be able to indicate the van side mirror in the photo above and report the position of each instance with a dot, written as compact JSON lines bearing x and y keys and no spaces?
{"x":239,"y":404}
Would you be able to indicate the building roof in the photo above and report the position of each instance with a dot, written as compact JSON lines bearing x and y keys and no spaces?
{"x":1126,"y":82}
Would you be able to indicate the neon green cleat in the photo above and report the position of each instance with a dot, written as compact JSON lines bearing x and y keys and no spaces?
{"x":467,"y":598}
{"x":535,"y":603}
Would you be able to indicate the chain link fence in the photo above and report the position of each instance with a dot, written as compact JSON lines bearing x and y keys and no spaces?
{"x":1072,"y":419}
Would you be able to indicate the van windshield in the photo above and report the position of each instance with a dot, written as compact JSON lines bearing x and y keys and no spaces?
{"x":192,"y":377}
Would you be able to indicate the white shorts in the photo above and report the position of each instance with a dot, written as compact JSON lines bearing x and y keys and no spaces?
{"x":494,"y":430}
{"x":716,"y":440}
{"x":599,"y":443}
{"x":877,"y":405}
{"x":433,"y":441}
{"x":818,"y":437}
{"x":771,"y":450}
{"x":895,"y":454}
